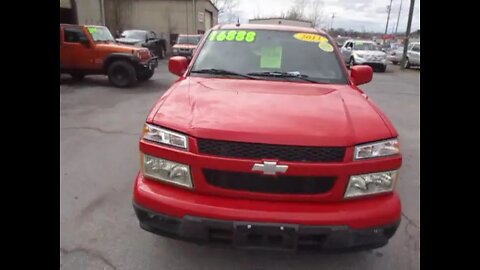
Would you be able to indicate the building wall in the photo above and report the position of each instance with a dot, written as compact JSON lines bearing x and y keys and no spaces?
{"x":90,"y":12}
{"x":165,"y":17}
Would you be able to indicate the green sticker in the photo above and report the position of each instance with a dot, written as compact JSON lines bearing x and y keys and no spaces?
{"x":92,"y":30}
{"x":271,"y":57}
{"x":232,"y":35}
{"x":325,"y":46}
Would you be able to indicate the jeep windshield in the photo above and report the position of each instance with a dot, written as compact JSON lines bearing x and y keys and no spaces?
{"x":269,"y":55}
{"x":100,"y":34}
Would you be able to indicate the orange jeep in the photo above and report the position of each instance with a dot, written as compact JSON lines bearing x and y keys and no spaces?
{"x":91,"y":49}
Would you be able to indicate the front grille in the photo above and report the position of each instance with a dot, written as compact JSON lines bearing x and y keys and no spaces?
{"x":281,"y":184}
{"x":265,"y":151}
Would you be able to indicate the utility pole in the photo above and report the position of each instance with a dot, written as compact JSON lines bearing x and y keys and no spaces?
{"x":398,"y":18}
{"x":407,"y":34}
{"x":331,"y":23}
{"x":389,"y":8}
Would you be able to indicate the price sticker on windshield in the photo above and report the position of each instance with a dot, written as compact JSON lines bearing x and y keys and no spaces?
{"x":232,"y":35}
{"x":325,"y":46}
{"x":310,"y":37}
{"x":92,"y":30}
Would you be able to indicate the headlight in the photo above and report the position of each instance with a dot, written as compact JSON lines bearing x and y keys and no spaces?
{"x":371,"y":183}
{"x":160,"y":135}
{"x":167,"y":171}
{"x":377,"y":149}
{"x":175,"y":50}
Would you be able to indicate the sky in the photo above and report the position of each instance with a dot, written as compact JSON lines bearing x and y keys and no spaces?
{"x":359,"y":15}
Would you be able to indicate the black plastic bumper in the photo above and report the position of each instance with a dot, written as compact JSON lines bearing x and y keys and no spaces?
{"x":150,"y":64}
{"x":269,"y":236}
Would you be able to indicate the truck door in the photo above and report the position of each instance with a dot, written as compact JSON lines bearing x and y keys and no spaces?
{"x":76,"y":50}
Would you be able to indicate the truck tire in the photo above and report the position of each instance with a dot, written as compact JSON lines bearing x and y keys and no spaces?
{"x":77,"y":76}
{"x":121,"y":74}
{"x":145,"y":75}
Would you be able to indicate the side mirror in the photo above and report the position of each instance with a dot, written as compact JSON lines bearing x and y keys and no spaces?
{"x":361,"y":74}
{"x":177,"y":65}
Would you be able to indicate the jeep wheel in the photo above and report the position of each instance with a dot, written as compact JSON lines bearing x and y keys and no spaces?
{"x":145,"y":75}
{"x":77,"y":76}
{"x":121,"y":74}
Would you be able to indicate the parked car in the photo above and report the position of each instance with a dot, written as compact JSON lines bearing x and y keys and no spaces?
{"x":364,"y":52}
{"x":395,"y":56}
{"x":185,"y":45}
{"x":266,"y":141}
{"x":413,"y":56}
{"x":91,"y":49}
{"x":144,"y":38}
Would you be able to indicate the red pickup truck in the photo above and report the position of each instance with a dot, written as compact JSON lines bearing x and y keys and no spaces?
{"x":265,"y":141}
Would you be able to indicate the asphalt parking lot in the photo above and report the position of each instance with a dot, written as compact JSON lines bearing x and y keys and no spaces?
{"x":100,"y":127}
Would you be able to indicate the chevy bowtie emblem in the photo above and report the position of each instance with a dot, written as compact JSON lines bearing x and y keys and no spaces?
{"x":269,"y":167}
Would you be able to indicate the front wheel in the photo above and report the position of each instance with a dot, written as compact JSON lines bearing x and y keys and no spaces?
{"x":122,"y":74}
{"x":77,"y":76}
{"x":145,"y":75}
{"x":382,"y":68}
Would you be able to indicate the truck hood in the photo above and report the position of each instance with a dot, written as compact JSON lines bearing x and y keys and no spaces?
{"x":271,"y":112}
{"x":115,"y":47}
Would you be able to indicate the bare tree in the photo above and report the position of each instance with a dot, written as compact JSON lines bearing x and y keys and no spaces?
{"x":314,"y":12}
{"x":297,"y":11}
{"x":225,"y":6}
{"x":316,"y":15}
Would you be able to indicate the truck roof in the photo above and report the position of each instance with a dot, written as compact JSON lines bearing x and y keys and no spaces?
{"x":276,"y":27}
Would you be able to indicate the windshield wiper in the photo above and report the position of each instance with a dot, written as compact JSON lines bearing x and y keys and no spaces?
{"x":281,"y":74}
{"x":215,"y":71}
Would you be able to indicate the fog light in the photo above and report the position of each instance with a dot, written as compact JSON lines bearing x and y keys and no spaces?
{"x":167,"y":171}
{"x":371,"y":183}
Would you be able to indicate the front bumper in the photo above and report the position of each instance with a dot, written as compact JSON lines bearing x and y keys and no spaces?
{"x":269,"y":236}
{"x":363,"y":61}
{"x":150,"y":64}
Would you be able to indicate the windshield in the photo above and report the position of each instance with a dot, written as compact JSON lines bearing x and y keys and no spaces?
{"x":134,"y":34}
{"x":188,"y":40}
{"x":100,"y":33}
{"x":253,"y":52}
{"x":365,"y":46}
